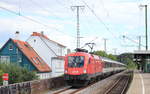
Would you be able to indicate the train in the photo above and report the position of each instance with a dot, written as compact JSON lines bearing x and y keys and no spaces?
{"x":82,"y":68}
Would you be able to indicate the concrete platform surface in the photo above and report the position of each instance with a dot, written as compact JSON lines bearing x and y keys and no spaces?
{"x":140,"y":83}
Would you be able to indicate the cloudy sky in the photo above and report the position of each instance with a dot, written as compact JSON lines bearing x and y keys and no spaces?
{"x":99,"y":19}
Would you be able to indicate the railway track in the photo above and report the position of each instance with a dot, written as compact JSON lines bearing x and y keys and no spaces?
{"x":68,"y":90}
{"x":116,"y":84}
{"x":120,"y":86}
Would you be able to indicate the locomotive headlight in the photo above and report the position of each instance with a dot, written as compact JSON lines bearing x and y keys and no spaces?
{"x":84,"y":71}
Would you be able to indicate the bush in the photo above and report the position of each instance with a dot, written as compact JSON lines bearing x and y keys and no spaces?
{"x":17,"y":74}
{"x":131,"y":64}
{"x":1,"y":74}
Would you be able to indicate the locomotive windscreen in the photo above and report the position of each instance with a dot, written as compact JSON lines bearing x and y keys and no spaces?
{"x":75,"y":61}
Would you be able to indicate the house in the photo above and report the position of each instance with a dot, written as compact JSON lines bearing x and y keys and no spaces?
{"x":50,"y":51}
{"x":20,"y":52}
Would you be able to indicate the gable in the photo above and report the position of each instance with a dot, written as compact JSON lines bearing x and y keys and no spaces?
{"x":12,"y":52}
{"x":17,"y":49}
{"x":32,"y":56}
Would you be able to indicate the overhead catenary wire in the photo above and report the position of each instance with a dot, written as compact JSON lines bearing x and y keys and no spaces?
{"x":133,"y":40}
{"x":90,"y":42}
{"x":98,"y":18}
{"x":43,"y":8}
{"x":103,"y":5}
{"x":30,"y":19}
{"x":47,"y":10}
{"x":90,"y":29}
{"x":48,"y":46}
{"x":87,"y":24}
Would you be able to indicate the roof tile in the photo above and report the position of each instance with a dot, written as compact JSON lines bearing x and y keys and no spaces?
{"x":30,"y":53}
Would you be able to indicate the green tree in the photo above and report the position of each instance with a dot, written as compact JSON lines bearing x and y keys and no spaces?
{"x":127,"y":58}
{"x":16,"y":73}
{"x":100,"y":53}
{"x":112,"y":57}
{"x":131,"y":64}
{"x":104,"y":54}
{"x":124,"y":57}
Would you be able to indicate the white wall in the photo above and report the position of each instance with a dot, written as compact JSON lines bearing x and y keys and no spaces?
{"x":57,"y":67}
{"x":59,"y":50}
{"x":48,"y":52}
{"x":42,"y":50}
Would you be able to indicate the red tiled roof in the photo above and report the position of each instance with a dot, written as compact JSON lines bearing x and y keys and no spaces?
{"x":44,"y":36}
{"x":39,"y":34}
{"x":30,"y":53}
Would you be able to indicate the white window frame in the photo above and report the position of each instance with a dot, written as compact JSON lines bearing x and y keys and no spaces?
{"x":5,"y":59}
{"x":10,"y":47}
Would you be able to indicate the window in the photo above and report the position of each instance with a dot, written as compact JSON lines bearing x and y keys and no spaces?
{"x":10,"y":47}
{"x":58,"y":65}
{"x":40,"y":60}
{"x":17,"y":50}
{"x":75,"y":61}
{"x":5,"y":59}
{"x":19,"y":60}
{"x":34,"y":40}
{"x":35,"y":61}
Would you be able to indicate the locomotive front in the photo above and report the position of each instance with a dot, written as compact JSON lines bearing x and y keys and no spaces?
{"x":76,"y":69}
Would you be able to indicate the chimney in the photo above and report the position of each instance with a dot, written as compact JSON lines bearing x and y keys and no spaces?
{"x":17,"y":35}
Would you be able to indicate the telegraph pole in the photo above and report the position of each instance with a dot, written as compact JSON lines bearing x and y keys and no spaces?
{"x":105,"y":49}
{"x":115,"y":51}
{"x":145,"y":25}
{"x":139,"y":42}
{"x":78,"y":24}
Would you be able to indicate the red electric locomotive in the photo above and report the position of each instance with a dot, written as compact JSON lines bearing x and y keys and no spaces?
{"x":82,"y":67}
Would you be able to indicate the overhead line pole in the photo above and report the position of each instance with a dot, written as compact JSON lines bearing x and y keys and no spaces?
{"x":105,"y":49}
{"x":146,"y":27}
{"x":139,"y":42}
{"x":78,"y":24}
{"x":146,"y":39}
{"x":115,"y":51}
{"x":133,"y":41}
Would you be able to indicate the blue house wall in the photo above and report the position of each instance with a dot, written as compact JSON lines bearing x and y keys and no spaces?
{"x":16,"y":56}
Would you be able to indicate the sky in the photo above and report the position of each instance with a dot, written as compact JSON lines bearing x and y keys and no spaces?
{"x":99,"y":20}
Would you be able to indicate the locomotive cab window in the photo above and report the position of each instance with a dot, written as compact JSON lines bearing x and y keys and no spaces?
{"x":75,"y":61}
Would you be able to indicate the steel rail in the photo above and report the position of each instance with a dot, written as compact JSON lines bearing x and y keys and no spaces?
{"x":125,"y":84}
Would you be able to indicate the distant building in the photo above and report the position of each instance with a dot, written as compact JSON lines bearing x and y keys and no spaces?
{"x":142,"y":59}
{"x":50,"y":51}
{"x":20,"y":52}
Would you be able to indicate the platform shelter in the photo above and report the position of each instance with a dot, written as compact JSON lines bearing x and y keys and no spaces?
{"x":142,"y":59}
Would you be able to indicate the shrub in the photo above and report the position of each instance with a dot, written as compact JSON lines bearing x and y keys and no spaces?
{"x":1,"y":74}
{"x":16,"y":73}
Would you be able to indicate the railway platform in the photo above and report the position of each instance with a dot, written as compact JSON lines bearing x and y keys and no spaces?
{"x":140,"y":83}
